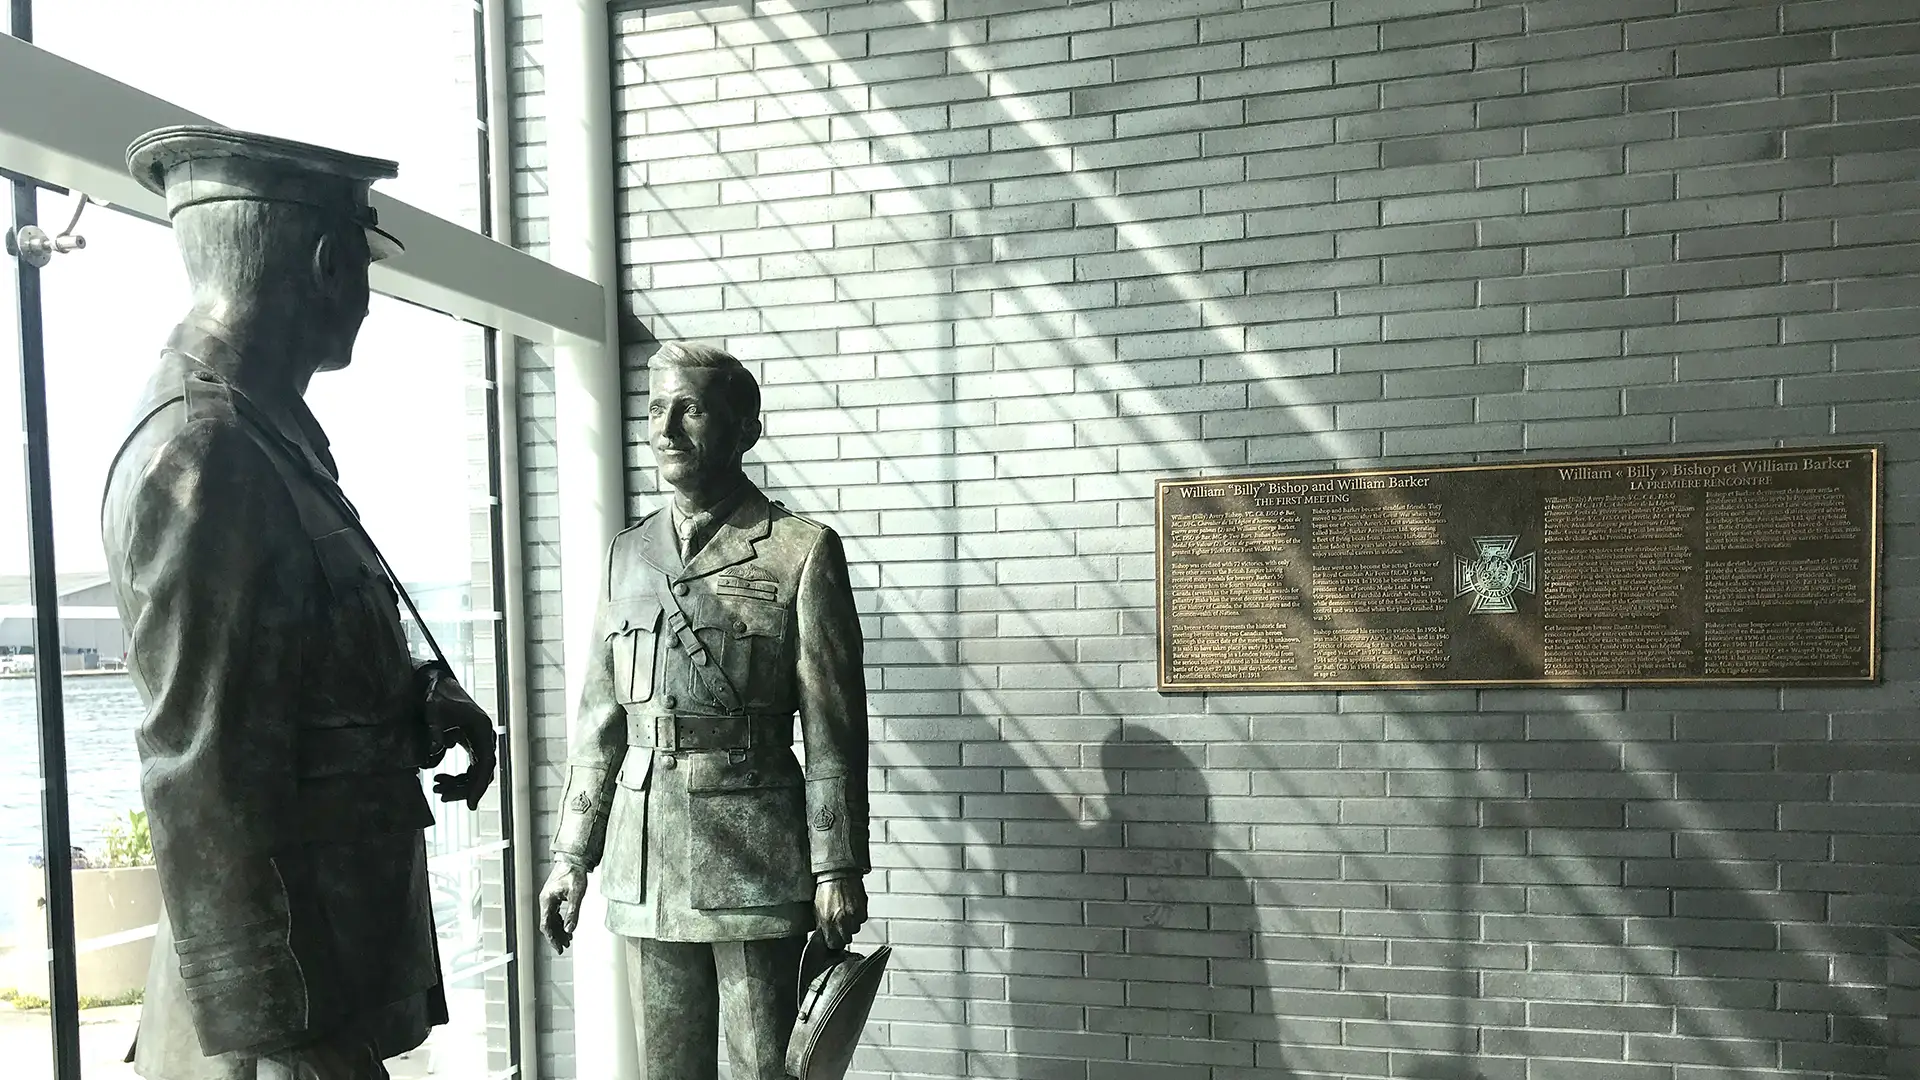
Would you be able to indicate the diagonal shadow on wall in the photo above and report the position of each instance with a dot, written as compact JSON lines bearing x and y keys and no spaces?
{"x":1521,"y":877}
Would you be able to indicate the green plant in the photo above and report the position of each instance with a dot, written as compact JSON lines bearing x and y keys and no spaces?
{"x":27,"y":1002}
{"x":131,"y":844}
{"x":21,"y":1000}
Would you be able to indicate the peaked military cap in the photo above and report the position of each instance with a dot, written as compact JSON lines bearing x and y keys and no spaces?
{"x":836,"y":992}
{"x":192,"y":164}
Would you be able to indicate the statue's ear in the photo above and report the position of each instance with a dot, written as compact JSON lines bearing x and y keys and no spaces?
{"x":749,"y":433}
{"x":325,"y":263}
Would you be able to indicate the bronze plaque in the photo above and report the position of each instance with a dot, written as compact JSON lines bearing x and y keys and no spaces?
{"x":1758,"y":567}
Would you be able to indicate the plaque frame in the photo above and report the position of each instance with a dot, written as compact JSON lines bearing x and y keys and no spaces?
{"x":1874,"y":553}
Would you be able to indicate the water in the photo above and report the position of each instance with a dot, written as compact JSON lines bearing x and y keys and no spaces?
{"x":103,"y":767}
{"x":103,"y":777}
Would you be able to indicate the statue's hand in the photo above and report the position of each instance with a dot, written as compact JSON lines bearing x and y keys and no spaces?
{"x":462,"y":723}
{"x":839,"y":907}
{"x":560,"y":903}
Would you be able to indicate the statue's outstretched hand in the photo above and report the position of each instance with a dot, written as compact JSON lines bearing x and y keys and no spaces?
{"x":560,"y":903}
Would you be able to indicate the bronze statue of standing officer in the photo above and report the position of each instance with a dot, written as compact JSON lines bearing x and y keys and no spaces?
{"x":286,"y":719}
{"x":718,"y":851}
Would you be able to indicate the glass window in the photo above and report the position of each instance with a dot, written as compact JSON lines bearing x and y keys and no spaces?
{"x":25,"y":1024}
{"x":389,"y":78}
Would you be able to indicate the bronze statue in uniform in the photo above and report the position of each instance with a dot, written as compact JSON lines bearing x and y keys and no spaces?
{"x":718,"y":850}
{"x":286,"y":718}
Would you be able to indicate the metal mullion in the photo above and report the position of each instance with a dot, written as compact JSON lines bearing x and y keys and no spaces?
{"x":62,"y":982}
{"x":496,"y":561}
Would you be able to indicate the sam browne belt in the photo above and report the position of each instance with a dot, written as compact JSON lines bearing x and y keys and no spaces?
{"x":679,"y":732}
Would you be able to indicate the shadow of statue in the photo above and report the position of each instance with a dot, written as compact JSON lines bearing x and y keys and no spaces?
{"x":1138,"y":944}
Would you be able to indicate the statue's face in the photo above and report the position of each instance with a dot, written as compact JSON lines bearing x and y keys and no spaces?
{"x":696,"y":439}
{"x":348,"y":293}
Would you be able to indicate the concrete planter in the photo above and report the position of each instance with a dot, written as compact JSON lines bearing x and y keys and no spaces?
{"x":104,"y":902}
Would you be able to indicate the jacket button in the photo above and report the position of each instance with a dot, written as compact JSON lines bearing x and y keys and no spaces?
{"x":670,"y":701}
{"x":669,"y":762}
{"x":680,"y":588}
{"x":750,"y":778}
{"x":740,"y":626}
{"x":673,"y":642}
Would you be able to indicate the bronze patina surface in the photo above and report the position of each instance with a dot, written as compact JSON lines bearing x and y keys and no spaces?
{"x":1706,"y":568}
{"x":287,"y":720}
{"x":725,"y":617}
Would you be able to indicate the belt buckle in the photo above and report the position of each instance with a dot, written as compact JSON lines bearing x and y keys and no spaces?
{"x":669,"y":727}
{"x":739,"y":756}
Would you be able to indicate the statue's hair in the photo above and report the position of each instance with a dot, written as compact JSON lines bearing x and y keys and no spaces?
{"x":246,"y":245}
{"x":741,"y":389}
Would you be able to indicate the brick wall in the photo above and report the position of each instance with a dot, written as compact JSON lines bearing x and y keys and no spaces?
{"x":1002,"y":263}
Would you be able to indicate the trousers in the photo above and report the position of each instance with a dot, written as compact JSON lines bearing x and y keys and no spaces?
{"x":684,"y":991}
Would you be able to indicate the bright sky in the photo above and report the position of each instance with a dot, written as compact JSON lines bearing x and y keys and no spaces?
{"x":389,"y":78}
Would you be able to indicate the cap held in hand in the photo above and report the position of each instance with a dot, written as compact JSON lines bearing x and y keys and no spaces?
{"x":836,"y":994}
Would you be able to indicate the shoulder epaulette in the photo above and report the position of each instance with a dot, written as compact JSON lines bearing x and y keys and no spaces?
{"x":207,"y":395}
{"x":801,"y":518}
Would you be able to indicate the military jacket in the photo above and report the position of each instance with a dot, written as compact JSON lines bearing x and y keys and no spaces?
{"x":683,"y":788}
{"x":282,"y":738}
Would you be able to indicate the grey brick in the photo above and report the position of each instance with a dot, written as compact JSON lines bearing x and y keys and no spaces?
{"x":1135,"y":95}
{"x":1468,"y":25}
{"x":1605,"y":131}
{"x":1549,"y":228}
{"x":1404,"y":64}
{"x":1761,"y":52}
{"x":1642,"y":66}
{"x":1601,"y":191}
{"x":1163,"y":63}
{"x":1703,"y":213}
{"x":1852,"y":138}
{"x":1727,"y":25}
{"x":1745,"y":240}
{"x":1583,"y":285}
{"x":1463,"y":86}
{"x":1557,"y":45}
{"x":1137,"y":38}
{"x":1248,"y":139}
{"x":1266,"y":80}
{"x":1552,"y":107}
{"x":1558,"y":165}
{"x":1406,"y":239}
{"x":1786,"y":113}
{"x":1622,"y":431}
{"x":1471,"y":206}
{"x":1847,"y":75}
{"x":1312,"y":45}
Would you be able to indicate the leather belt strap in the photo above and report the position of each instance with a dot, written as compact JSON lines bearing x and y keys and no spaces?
{"x":684,"y":731}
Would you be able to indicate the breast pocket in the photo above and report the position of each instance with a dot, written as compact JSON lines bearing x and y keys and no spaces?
{"x":632,"y":630}
{"x":755,"y":638}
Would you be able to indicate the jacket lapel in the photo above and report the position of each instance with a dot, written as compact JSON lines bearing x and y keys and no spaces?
{"x":732,"y":544}
{"x":658,"y":546}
